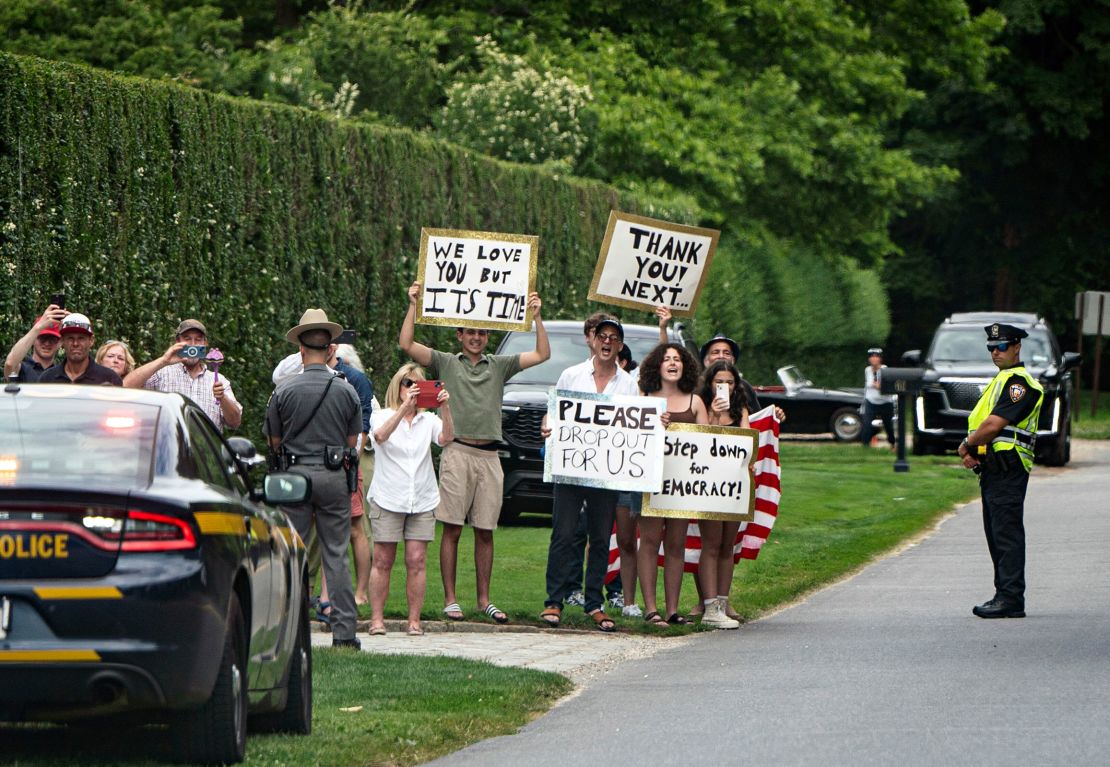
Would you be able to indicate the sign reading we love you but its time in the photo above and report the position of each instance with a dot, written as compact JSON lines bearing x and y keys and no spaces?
{"x":476,"y":279}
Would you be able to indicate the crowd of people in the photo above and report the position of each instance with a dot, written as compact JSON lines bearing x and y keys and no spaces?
{"x":323,"y":417}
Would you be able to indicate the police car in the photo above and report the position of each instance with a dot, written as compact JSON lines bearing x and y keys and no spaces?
{"x":141,"y":573}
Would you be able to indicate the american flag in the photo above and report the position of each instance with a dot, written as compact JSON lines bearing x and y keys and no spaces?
{"x":752,"y":535}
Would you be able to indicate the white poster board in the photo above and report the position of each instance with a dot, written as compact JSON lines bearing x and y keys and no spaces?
{"x":646,"y":263}
{"x":608,"y":441}
{"x":476,"y":279}
{"x":705,"y":474}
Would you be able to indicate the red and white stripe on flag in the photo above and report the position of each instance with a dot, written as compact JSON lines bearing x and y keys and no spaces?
{"x":768,"y":490}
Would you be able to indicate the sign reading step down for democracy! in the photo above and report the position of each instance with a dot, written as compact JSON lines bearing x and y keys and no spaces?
{"x":646,"y":263}
{"x":601,"y":440}
{"x":705,"y":474}
{"x":476,"y":279}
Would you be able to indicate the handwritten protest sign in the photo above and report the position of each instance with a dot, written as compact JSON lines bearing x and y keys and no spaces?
{"x":476,"y":279}
{"x":705,"y":474}
{"x":646,"y":263}
{"x":600,"y":440}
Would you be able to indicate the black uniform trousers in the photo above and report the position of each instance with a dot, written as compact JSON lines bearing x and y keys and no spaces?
{"x":564,"y":559}
{"x":1003,"y":487}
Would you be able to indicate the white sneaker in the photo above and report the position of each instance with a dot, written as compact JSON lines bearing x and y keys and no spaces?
{"x":632,"y":611}
{"x":715,"y":617}
{"x":576,"y":599}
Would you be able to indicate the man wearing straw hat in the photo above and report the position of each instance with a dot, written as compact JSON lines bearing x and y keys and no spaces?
{"x":312,"y":420}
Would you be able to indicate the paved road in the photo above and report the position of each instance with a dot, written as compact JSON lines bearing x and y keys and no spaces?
{"x":888,"y":668}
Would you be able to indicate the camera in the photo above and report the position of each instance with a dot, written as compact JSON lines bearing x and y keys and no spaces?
{"x":192,"y":352}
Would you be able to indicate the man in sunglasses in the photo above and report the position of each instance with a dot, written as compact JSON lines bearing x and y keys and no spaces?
{"x":1002,"y":429}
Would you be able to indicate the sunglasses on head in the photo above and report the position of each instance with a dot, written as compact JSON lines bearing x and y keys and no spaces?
{"x":999,"y":345}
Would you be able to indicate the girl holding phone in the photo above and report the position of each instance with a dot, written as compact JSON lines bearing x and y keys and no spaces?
{"x":727,"y":405}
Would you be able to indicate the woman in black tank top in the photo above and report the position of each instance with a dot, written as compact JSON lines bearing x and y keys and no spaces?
{"x":671,"y":372}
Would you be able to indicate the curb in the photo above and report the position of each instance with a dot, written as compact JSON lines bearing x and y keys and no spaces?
{"x":458,"y":627}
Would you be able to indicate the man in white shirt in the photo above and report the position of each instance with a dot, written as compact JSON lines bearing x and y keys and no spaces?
{"x":875,"y":403}
{"x":598,"y":375}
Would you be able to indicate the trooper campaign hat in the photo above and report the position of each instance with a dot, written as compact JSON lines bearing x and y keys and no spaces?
{"x":1002,"y":332}
{"x":313,"y":319}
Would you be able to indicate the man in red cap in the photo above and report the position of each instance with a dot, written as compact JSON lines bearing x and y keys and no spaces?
{"x":79,"y":368}
{"x":42,"y":340}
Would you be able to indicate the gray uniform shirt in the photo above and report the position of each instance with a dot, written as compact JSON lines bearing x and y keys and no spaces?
{"x":339,"y":416}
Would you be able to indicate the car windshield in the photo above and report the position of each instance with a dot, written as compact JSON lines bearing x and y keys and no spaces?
{"x":969,"y":345}
{"x":566,"y":350}
{"x":75,"y":442}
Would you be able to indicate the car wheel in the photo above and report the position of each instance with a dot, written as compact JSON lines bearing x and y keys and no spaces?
{"x":846,"y":424}
{"x":1060,"y":451}
{"x":297,"y":716}
{"x":510,"y":514}
{"x":216,"y":733}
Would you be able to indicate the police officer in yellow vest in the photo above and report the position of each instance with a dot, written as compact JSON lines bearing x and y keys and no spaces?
{"x":999,"y":447}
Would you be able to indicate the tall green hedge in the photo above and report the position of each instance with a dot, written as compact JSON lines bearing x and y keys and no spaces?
{"x":147,"y":202}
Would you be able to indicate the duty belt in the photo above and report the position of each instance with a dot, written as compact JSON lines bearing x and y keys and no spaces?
{"x":306,"y":460}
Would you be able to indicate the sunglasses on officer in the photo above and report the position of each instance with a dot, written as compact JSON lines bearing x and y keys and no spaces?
{"x":1000,"y":345}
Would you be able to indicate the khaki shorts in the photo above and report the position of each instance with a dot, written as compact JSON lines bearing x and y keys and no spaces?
{"x":470,"y":486}
{"x":394,"y":526}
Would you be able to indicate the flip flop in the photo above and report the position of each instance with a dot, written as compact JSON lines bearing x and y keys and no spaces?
{"x":497,"y":615}
{"x":377,"y":631}
{"x":415,"y":631}
{"x":453,"y":608}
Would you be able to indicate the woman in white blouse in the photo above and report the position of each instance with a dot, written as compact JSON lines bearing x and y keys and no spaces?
{"x":403,"y":493}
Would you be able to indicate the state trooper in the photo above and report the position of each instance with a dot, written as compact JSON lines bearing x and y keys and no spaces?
{"x":1002,"y":429}
{"x":312,"y":422}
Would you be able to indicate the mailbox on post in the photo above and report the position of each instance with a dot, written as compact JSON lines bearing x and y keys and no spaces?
{"x":905,"y":382}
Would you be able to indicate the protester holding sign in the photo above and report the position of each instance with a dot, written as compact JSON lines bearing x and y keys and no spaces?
{"x":671,"y":372}
{"x":470,"y":476}
{"x":598,"y":375}
{"x":716,"y":565}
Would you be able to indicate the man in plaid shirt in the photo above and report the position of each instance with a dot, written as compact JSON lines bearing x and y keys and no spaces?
{"x":191,"y":377}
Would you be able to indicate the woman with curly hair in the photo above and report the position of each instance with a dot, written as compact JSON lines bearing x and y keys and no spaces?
{"x":716,"y":565}
{"x":671,"y":372}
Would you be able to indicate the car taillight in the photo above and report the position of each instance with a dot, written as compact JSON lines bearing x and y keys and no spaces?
{"x":143,"y":531}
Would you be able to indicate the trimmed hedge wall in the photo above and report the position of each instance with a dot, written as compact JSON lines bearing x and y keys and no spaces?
{"x":147,"y":202}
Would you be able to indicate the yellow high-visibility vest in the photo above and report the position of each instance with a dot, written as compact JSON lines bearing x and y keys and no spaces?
{"x":1019,"y":436}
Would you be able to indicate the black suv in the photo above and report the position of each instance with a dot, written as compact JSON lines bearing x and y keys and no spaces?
{"x":958,"y":369}
{"x":525,"y":403}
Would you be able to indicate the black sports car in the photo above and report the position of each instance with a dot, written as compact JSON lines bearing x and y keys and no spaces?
{"x":140,"y":574}
{"x":812,"y":410}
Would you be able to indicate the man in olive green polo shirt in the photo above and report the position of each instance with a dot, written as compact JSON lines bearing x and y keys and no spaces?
{"x":470,"y":476}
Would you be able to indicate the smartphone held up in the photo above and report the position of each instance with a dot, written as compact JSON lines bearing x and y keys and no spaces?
{"x":428,"y":394}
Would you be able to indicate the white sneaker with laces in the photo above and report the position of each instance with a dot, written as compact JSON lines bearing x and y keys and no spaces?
{"x":715,"y":617}
{"x":617,"y":600}
{"x":576,"y":599}
{"x":632,"y":611}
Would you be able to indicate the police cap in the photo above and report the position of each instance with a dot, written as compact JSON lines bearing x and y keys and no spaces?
{"x":1000,"y":331}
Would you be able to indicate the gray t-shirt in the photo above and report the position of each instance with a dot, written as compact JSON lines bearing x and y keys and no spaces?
{"x":475,"y":390}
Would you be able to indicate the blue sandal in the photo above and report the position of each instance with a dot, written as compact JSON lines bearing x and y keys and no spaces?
{"x":322,"y":609}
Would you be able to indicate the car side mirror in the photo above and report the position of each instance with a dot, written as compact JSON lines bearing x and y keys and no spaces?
{"x":286,"y":488}
{"x":1072,"y":360}
{"x":911,"y":358}
{"x":245,"y":452}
